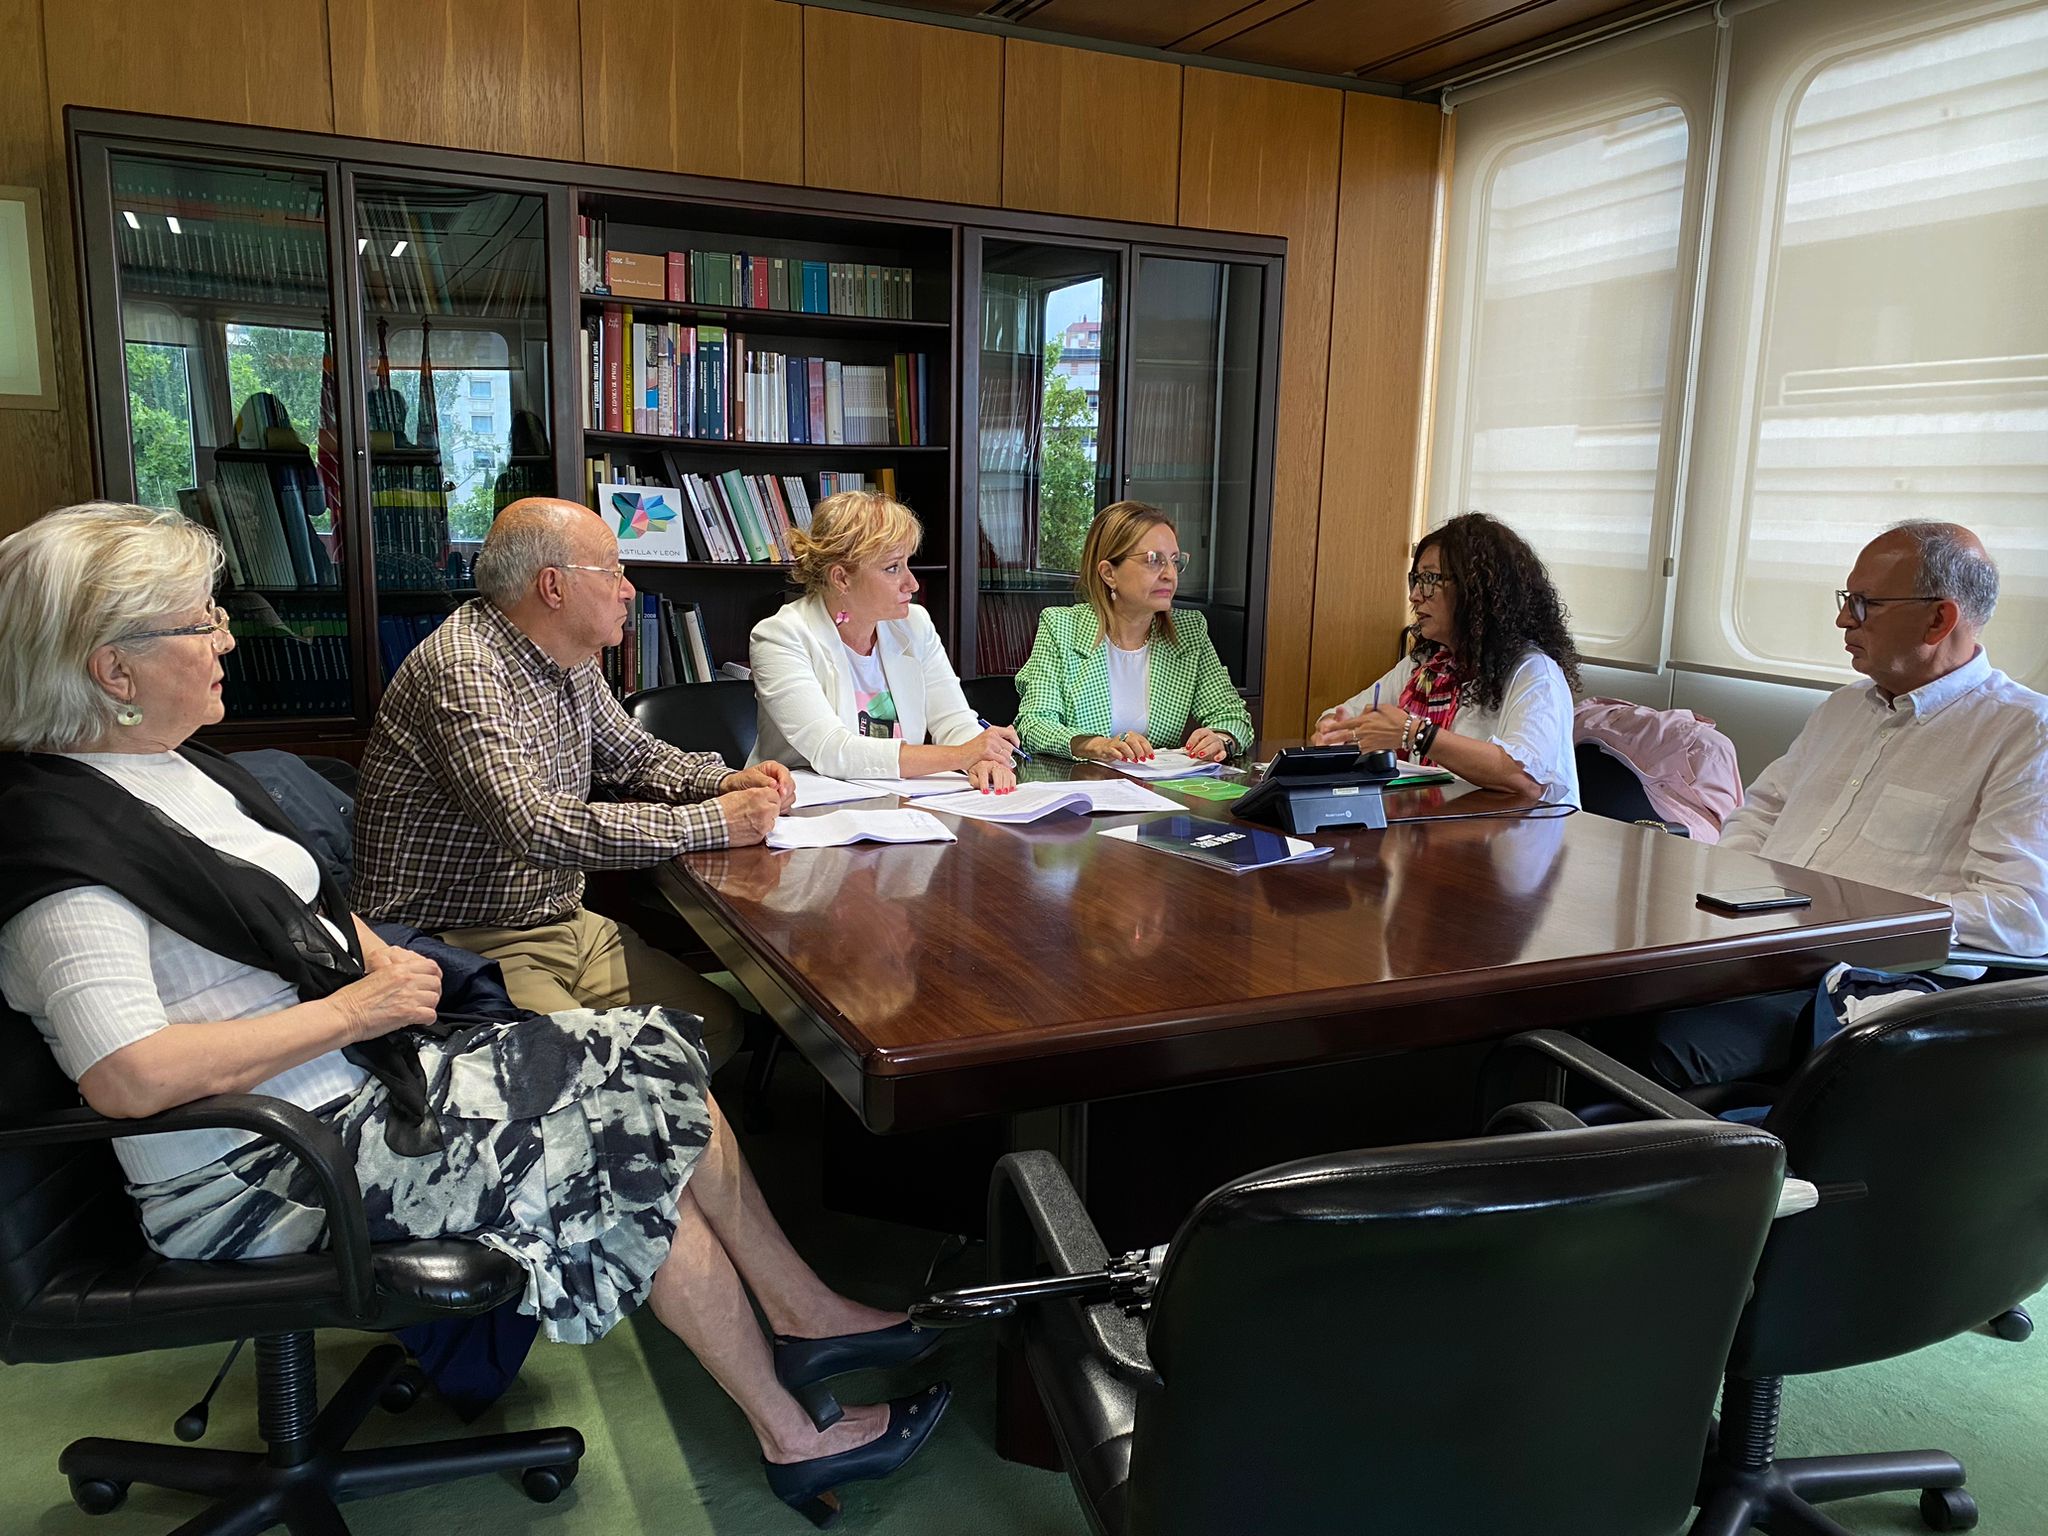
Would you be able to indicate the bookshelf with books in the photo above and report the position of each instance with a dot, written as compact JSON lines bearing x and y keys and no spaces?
{"x":745,"y":364}
{"x":346,"y":356}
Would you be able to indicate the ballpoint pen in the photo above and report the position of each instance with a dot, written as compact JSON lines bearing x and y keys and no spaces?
{"x":1017,"y":751}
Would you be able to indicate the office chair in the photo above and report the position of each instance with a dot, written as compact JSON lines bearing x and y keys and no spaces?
{"x":1925,"y":1122}
{"x":1609,"y":787}
{"x":78,"y":1282}
{"x":992,"y":698}
{"x":716,"y":717}
{"x":1521,"y":1333}
{"x":721,"y":717}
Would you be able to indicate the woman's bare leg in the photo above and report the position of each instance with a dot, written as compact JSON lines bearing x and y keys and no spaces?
{"x":698,"y":1297}
{"x":792,"y":1297}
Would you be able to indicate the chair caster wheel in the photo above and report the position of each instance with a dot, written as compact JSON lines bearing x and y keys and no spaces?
{"x":2015,"y":1327}
{"x":98,"y":1495}
{"x":403,"y":1390}
{"x":544,"y":1485}
{"x":1947,"y":1509}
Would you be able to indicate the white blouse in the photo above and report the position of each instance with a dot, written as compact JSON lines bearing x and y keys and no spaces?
{"x":1130,"y":688}
{"x":1533,"y":724}
{"x":95,"y":974}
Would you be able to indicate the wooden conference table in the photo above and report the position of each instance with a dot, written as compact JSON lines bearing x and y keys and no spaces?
{"x":1032,"y":967}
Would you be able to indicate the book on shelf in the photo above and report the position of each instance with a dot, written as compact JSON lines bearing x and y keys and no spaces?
{"x":296,"y":665}
{"x":731,"y":518}
{"x":662,"y":644}
{"x":741,"y":279}
{"x":666,"y":379}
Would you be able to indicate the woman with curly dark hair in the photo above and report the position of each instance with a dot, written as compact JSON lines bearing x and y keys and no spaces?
{"x":1485,"y":690}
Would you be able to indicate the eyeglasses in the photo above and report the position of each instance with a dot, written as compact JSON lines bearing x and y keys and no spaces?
{"x":1155,"y":562}
{"x":1858,"y":607}
{"x":617,"y":573}
{"x":216,"y":625}
{"x":1426,"y":582}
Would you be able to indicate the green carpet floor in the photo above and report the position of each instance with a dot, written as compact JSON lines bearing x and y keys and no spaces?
{"x":670,"y":1457}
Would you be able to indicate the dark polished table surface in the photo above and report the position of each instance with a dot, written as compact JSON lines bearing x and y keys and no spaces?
{"x":1025,"y":967}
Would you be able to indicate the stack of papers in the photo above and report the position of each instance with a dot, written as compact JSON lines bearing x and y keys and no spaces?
{"x":842,"y":827}
{"x":816,"y":789}
{"x":1175,"y":764}
{"x":1028,"y":802}
{"x":945,"y":783}
{"x":1222,"y":845}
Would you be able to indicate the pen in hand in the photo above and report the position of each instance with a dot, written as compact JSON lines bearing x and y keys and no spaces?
{"x":1016,"y":751}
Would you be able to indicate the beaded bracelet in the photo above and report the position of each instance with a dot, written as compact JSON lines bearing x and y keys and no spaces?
{"x":1425,"y":739}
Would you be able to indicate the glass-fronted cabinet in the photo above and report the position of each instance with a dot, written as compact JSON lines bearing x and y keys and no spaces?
{"x":1046,"y":346}
{"x":454,"y":292}
{"x":1191,"y":445}
{"x":227,"y":349}
{"x":1110,"y":372}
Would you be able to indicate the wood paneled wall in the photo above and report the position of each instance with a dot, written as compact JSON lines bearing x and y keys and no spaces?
{"x":771,"y":91}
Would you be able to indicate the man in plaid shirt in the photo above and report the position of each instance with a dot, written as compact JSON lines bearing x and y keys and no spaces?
{"x":474,"y":818}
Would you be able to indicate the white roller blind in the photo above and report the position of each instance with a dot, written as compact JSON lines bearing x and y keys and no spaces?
{"x":1568,"y":298}
{"x":1876,"y":322}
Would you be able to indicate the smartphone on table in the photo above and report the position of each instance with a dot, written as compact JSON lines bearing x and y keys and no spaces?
{"x":1754,"y":898}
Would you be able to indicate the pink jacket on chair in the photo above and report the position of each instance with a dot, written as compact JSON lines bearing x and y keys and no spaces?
{"x":1687,"y":767}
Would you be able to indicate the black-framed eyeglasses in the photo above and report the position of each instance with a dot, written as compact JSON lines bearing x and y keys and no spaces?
{"x":216,"y":625}
{"x":1156,"y":562}
{"x":1426,"y":582}
{"x":1858,"y":607}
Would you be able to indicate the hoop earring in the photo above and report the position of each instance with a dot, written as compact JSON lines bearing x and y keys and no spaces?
{"x":126,"y":713}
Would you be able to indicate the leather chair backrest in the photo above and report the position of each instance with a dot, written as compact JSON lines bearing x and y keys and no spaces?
{"x":62,"y":1209}
{"x":1938,"y":1107}
{"x":1521,"y":1334}
{"x":992,"y":698}
{"x":1609,"y":787}
{"x":716,"y":717}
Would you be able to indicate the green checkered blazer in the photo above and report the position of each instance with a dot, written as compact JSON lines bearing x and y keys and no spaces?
{"x":1063,"y":689}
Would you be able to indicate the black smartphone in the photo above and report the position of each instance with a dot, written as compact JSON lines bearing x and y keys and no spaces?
{"x":1754,"y":898}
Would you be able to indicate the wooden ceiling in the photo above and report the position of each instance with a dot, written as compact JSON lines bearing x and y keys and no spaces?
{"x":1410,"y":46}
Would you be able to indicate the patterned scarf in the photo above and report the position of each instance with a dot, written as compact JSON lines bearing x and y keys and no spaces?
{"x":1433,"y":689}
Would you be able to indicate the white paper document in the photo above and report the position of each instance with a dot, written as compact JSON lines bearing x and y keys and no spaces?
{"x":841,"y":827}
{"x":1028,"y":802}
{"x":945,"y":783}
{"x":816,"y":789}
{"x":1175,"y":764}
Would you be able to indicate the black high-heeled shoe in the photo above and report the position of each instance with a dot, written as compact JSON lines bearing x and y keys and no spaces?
{"x":807,"y":1486}
{"x":804,"y":1365}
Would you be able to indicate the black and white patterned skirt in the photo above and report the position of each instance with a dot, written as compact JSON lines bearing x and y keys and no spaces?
{"x":567,"y":1140}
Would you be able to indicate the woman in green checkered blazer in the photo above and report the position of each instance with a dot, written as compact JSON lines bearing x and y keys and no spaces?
{"x":1114,"y":676}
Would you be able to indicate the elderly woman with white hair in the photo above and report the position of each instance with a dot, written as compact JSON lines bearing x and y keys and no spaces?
{"x":171,"y":937}
{"x":851,"y":676}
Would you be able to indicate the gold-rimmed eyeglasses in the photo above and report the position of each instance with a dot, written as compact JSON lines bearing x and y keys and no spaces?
{"x":615,"y":573}
{"x":216,"y":626}
{"x":1155,"y":562}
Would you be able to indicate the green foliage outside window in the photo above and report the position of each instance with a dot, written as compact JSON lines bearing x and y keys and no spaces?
{"x":1066,"y":489}
{"x":160,"y":423}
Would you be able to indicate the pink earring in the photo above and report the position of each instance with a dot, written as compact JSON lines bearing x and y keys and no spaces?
{"x":841,"y":616}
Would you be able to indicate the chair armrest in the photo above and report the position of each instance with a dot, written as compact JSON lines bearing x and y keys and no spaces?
{"x":293,"y":1128}
{"x":1991,"y":959}
{"x":1035,"y":1217}
{"x":1532,"y":1115}
{"x":1569,"y":1055}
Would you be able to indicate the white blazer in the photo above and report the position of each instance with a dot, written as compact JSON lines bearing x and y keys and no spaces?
{"x":805,"y":690}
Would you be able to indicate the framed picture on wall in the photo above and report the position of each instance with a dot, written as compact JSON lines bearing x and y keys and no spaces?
{"x":28,"y":366}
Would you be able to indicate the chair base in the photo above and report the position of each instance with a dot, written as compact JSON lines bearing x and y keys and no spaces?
{"x":1780,"y":1497}
{"x":299,"y":1483}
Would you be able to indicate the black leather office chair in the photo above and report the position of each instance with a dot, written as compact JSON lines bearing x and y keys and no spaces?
{"x":716,"y":717}
{"x":1928,"y":1116}
{"x":1609,"y":787}
{"x":77,"y":1282}
{"x":1519,"y":1334}
{"x":992,"y":698}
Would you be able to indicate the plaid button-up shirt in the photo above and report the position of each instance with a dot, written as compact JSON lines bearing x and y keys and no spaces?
{"x":474,"y":803}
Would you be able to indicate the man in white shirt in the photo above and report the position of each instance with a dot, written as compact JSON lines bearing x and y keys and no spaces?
{"x":1931,"y":777}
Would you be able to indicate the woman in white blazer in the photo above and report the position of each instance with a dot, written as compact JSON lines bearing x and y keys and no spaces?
{"x":851,"y":677}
